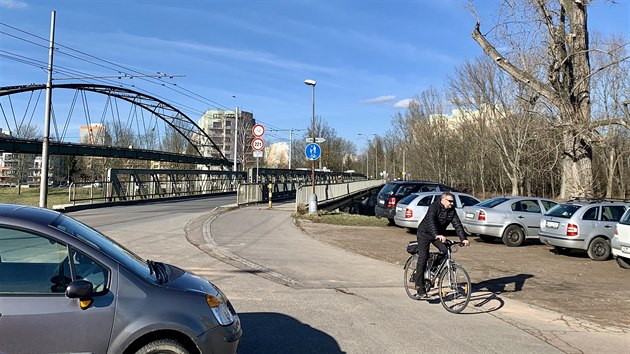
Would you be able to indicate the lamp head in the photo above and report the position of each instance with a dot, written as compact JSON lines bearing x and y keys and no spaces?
{"x":310,"y":82}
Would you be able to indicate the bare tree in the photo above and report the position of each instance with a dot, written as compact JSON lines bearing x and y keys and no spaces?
{"x":21,"y":164}
{"x":568,"y":78}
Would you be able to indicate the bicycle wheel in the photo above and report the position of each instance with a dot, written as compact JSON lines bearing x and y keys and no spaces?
{"x":409,"y":271}
{"x":454,"y":288}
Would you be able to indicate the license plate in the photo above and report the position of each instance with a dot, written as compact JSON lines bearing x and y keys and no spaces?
{"x":470,"y":215}
{"x":381,"y":202}
{"x":553,"y":224}
{"x":625,"y":249}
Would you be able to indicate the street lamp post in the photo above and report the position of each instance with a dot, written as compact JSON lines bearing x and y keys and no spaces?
{"x":312,"y":201}
{"x":235,"y":139}
{"x":367,"y":160}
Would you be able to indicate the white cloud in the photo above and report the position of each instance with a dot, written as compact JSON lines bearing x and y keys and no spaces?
{"x":379,"y":99}
{"x":403,"y":103}
{"x":13,"y":4}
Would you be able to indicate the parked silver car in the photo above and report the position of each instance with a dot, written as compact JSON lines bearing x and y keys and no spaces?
{"x":66,"y":288}
{"x":411,"y":209}
{"x":584,"y":224}
{"x":621,"y":241}
{"x":513,"y":219}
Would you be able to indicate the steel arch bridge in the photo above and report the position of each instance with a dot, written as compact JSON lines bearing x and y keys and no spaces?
{"x":172,"y":116}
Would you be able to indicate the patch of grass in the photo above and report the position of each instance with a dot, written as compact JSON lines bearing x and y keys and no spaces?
{"x":338,"y":218}
{"x":30,"y":196}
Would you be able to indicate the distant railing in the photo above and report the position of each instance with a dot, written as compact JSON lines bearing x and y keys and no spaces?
{"x":331,"y":192}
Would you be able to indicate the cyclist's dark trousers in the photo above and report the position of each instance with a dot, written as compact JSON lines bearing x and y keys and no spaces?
{"x":423,"y":254}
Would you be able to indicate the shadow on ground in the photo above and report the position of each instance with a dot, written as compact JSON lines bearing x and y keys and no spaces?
{"x":267,"y":332}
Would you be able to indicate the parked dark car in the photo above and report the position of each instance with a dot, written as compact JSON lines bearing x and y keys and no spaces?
{"x":394,"y":191}
{"x":66,"y":288}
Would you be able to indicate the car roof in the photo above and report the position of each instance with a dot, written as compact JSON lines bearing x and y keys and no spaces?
{"x":27,"y":213}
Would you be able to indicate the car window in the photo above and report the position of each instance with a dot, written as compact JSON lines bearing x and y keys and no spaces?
{"x":612,"y":212}
{"x":468,"y":201}
{"x":406,"y":189}
{"x":625,"y":218}
{"x":429,"y":188}
{"x":425,"y":201}
{"x":548,"y":204}
{"x":88,"y":269}
{"x":491,"y":203}
{"x":590,"y":214}
{"x":32,"y":264}
{"x":388,"y":188}
{"x":408,"y":199}
{"x":527,"y":206}
{"x":563,"y":210}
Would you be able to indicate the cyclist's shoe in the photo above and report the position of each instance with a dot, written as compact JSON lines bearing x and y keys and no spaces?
{"x":421,"y":293}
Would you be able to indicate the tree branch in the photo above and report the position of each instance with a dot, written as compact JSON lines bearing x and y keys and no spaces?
{"x":518,"y":74}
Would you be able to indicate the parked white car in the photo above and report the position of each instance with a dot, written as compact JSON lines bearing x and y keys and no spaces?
{"x":621,"y":241}
{"x":582,"y":224}
{"x":411,"y":210}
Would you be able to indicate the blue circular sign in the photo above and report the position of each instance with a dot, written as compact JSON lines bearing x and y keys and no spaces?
{"x":312,"y":151}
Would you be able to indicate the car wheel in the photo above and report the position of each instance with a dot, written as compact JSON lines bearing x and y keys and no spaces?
{"x":163,"y":346}
{"x":599,"y":249}
{"x":486,"y":238}
{"x":513,"y":236}
{"x":623,"y":262}
{"x":391,"y":222}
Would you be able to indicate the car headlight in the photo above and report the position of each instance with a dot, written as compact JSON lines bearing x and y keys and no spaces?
{"x":220,"y":309}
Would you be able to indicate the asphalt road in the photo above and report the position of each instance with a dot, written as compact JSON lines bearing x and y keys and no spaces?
{"x":295,"y":294}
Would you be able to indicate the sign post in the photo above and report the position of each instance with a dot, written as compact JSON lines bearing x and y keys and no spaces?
{"x":258,"y":144}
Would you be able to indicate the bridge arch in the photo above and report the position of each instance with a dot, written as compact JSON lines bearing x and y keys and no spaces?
{"x":177,"y":120}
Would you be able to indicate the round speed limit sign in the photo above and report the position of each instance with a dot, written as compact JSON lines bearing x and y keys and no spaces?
{"x":258,"y":144}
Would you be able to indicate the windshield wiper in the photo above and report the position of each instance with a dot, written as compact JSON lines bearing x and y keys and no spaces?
{"x":159,"y":269}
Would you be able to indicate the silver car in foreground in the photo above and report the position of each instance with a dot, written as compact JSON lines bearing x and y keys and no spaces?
{"x":621,"y":241}
{"x":66,"y":288}
{"x":411,"y":210}
{"x":512,"y":219}
{"x":583,"y":224}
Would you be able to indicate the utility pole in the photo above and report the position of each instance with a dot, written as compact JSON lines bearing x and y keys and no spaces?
{"x":43,"y":185}
{"x":291,"y":130}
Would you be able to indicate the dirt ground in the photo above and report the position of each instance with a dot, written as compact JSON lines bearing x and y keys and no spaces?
{"x":571,"y":284}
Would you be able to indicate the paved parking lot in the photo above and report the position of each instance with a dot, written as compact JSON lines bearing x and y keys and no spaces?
{"x":571,"y":284}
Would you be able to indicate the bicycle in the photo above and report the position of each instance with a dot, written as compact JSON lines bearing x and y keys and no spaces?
{"x":453,"y":281}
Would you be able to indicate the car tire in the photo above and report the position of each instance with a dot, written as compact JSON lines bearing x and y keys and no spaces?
{"x":486,"y":238}
{"x":163,"y":346}
{"x":623,"y":262}
{"x":513,"y":236}
{"x":599,"y":249}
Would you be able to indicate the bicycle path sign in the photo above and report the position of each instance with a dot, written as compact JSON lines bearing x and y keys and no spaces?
{"x":312,"y":151}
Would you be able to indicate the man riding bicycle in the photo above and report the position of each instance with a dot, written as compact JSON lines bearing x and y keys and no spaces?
{"x":441,"y":213}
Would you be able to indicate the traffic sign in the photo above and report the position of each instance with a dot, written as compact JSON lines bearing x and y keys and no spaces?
{"x":317,"y":140}
{"x":258,"y":144}
{"x":312,"y":151}
{"x":258,"y":153}
{"x":258,"y":130}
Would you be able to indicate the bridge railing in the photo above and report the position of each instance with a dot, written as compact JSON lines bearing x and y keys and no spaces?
{"x":329,"y":192}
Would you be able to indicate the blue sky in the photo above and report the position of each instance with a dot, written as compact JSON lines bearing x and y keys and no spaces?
{"x":368,"y":57}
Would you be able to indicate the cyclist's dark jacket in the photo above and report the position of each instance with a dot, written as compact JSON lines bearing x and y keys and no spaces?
{"x":437,"y":219}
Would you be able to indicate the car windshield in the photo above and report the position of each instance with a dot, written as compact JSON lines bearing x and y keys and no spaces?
{"x":406,"y":200}
{"x":563,"y":210}
{"x":103,"y":243}
{"x":491,"y":203}
{"x":388,"y":188}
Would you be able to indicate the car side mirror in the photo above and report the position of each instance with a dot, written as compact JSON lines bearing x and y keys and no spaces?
{"x":81,"y":289}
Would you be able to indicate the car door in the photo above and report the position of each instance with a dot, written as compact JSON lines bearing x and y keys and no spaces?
{"x":34,"y":273}
{"x":611,"y":214}
{"x":528,"y":213}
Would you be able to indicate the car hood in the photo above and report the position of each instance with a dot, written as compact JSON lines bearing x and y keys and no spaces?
{"x":192,"y":283}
